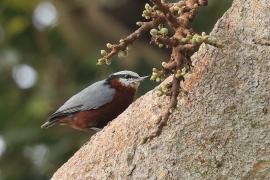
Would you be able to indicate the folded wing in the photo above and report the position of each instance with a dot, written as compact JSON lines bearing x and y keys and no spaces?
{"x":92,"y":97}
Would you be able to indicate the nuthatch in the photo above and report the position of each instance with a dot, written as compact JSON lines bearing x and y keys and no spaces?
{"x":99,"y":103}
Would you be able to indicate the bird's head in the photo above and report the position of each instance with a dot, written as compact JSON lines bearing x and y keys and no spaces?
{"x":126,"y":79}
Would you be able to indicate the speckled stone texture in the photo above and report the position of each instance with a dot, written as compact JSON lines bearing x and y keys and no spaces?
{"x":220,"y":130}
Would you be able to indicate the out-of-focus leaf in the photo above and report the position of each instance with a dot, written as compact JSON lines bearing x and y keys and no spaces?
{"x":27,"y":5}
{"x":38,"y":107}
{"x":16,"y":26}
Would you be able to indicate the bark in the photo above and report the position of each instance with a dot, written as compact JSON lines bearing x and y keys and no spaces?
{"x":221,"y":127}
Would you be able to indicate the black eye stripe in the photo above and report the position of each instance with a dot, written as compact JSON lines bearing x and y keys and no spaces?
{"x":127,"y":76}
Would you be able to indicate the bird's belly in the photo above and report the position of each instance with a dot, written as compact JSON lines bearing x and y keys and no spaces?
{"x":100,"y":117}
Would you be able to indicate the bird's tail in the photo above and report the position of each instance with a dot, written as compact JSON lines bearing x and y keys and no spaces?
{"x":48,"y":124}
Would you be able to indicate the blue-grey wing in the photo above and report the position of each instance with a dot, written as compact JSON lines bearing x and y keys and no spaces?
{"x":92,"y":97}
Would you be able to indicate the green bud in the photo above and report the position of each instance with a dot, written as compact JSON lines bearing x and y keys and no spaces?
{"x":195,"y":36}
{"x":205,"y":38}
{"x":147,"y":17}
{"x":164,"y":89}
{"x":159,"y":93}
{"x":153,"y":32}
{"x":154,"y":74}
{"x":164,"y":31}
{"x":100,"y":61}
{"x":186,"y":66}
{"x":189,"y":37}
{"x":108,"y":61}
{"x":164,"y":64}
{"x":157,"y":79}
{"x":152,"y":78}
{"x":193,"y":41}
{"x":109,"y":45}
{"x":177,"y":75}
{"x":160,"y":45}
{"x":147,"y":6}
{"x":183,"y":72}
{"x":176,"y":8}
{"x":144,"y":12}
{"x":103,"y":52}
{"x":184,"y":40}
{"x":139,"y":23}
{"x":122,"y":54}
{"x":199,"y":39}
{"x":154,"y":70}
{"x":203,"y":34}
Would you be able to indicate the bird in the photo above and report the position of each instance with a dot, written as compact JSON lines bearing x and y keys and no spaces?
{"x":99,"y":103}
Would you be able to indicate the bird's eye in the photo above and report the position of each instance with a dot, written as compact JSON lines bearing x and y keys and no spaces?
{"x":127,"y":76}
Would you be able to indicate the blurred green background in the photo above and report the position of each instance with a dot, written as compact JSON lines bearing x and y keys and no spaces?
{"x":48,"y":52}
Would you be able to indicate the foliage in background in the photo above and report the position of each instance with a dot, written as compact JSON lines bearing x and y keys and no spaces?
{"x":48,"y":51}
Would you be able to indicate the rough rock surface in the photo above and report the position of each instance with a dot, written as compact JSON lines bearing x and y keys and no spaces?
{"x":221,"y":129}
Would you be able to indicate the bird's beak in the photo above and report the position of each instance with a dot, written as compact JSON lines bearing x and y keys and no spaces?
{"x":142,"y":78}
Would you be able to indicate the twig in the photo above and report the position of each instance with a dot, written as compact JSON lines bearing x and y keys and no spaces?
{"x":171,"y":42}
{"x":168,"y":14}
{"x":134,"y":36}
{"x":183,"y":43}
